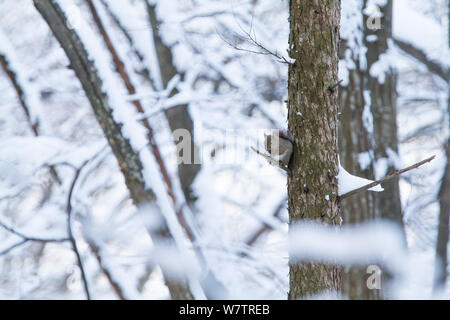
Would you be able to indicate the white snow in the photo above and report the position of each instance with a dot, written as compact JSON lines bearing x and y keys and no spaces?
{"x":125,"y":114}
{"x":348,"y":182}
{"x":412,"y":26}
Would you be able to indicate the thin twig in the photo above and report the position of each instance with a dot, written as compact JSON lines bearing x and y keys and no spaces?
{"x":270,"y":160}
{"x":28,"y":238}
{"x":21,"y":95}
{"x":70,"y":233}
{"x":18,"y":244}
{"x":389,"y":177}
{"x":252,"y":40}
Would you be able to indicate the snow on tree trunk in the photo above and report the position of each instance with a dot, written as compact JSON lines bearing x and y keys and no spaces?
{"x":355,"y":139}
{"x":381,"y":97}
{"x":177,"y":116}
{"x":380,"y":85}
{"x":312,"y":120}
{"x":128,"y":159}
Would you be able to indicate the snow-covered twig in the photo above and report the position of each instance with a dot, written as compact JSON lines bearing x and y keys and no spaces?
{"x":389,"y":177}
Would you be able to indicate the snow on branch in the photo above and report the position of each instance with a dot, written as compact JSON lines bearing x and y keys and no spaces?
{"x":375,"y":242}
{"x":372,"y":186}
{"x":19,"y":77}
{"x":126,"y":136}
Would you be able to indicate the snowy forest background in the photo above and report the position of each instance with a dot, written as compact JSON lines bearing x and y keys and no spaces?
{"x":68,"y":226}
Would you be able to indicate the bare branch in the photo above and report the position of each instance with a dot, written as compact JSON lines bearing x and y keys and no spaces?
{"x":70,"y":232}
{"x":263,"y":50}
{"x":28,"y":238}
{"x":270,"y":160}
{"x":389,"y":177}
{"x":18,"y":244}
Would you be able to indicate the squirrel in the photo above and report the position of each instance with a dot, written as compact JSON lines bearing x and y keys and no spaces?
{"x":279,"y":146}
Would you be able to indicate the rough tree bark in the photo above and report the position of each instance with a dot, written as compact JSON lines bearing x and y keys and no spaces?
{"x":129,"y":161}
{"x":312,"y":120}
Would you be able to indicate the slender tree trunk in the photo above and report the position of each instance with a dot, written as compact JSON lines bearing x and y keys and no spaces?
{"x":23,"y":98}
{"x":443,"y":227}
{"x":312,"y":120}
{"x":441,"y":264}
{"x":128,"y":159}
{"x":177,"y":116}
{"x":354,"y":139}
{"x":383,"y":101}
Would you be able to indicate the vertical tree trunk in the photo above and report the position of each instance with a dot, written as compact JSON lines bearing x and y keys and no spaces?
{"x":177,"y":116}
{"x":354,"y":139}
{"x":128,"y":159}
{"x":312,"y":120}
{"x":383,"y":100}
{"x":443,"y":227}
{"x":441,"y":264}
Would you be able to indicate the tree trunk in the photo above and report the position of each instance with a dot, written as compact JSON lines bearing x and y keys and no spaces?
{"x":354,"y":139}
{"x":443,"y":227}
{"x":128,"y":159}
{"x":177,"y":116}
{"x":441,"y":264}
{"x":312,"y":120}
{"x":383,"y":100}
